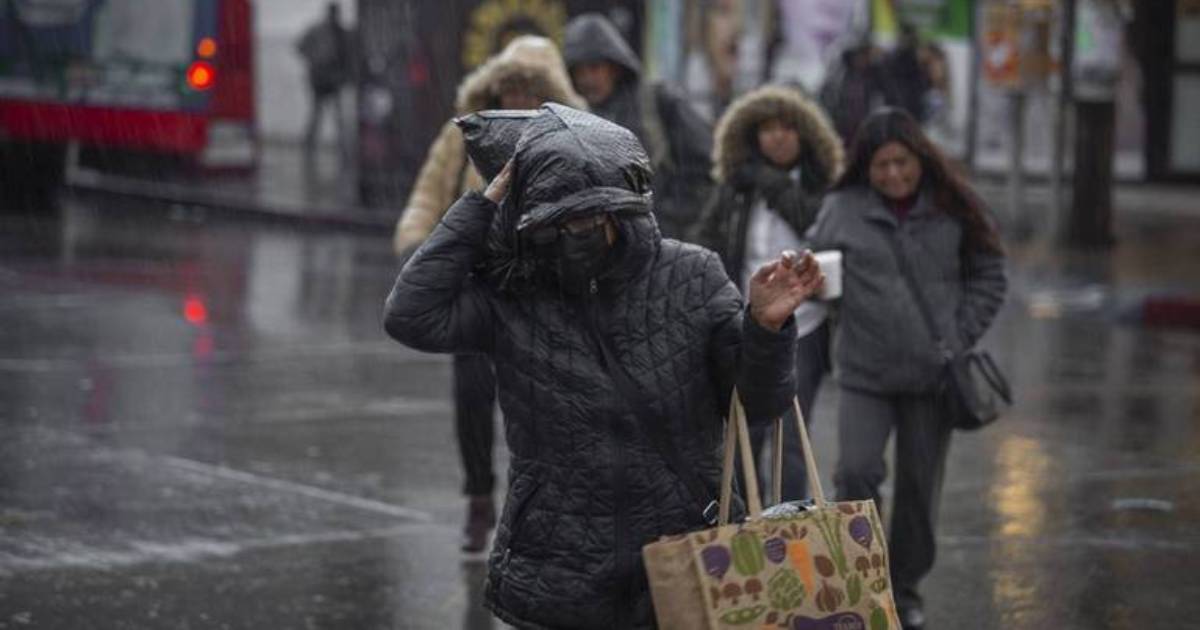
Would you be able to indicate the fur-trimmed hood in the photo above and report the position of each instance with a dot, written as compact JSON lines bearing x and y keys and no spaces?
{"x":735,"y":139}
{"x":529,"y":58}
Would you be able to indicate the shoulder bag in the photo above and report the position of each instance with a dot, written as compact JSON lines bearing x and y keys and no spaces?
{"x":973,"y":389}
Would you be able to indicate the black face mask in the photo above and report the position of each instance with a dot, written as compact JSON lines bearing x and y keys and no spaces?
{"x":581,"y":257}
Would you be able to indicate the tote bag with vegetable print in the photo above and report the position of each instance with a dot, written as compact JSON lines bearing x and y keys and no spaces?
{"x":824,"y":568}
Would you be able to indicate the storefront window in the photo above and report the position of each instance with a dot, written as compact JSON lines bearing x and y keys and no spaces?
{"x":1187,"y":32}
{"x":1185,"y":125}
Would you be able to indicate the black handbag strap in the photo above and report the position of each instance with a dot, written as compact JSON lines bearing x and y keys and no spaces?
{"x":919,"y":297}
{"x":992,"y":374}
{"x":656,"y":430}
{"x":987,"y":367}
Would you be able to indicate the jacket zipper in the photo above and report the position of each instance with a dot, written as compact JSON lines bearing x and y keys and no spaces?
{"x":515,"y":528}
{"x":619,"y":481}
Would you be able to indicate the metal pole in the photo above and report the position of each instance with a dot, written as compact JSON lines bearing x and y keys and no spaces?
{"x":1089,"y":219}
{"x":1016,"y":171}
{"x":1061,"y":117}
{"x":973,"y":94}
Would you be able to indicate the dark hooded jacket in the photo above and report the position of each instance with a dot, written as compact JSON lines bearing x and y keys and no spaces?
{"x":907,"y":82}
{"x":850,"y":93}
{"x":743,"y":176}
{"x":677,"y":136}
{"x":587,"y":489}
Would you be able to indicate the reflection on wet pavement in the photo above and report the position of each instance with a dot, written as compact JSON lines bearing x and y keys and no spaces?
{"x":202,"y":425}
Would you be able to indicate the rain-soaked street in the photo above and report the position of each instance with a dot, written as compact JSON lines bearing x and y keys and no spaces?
{"x":202,"y":425}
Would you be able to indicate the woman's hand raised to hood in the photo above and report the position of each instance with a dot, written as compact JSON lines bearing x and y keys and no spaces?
{"x":498,"y":187}
{"x":779,"y":287}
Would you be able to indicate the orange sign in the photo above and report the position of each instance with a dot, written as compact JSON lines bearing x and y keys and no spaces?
{"x":1000,"y":46}
{"x":1015,"y":44}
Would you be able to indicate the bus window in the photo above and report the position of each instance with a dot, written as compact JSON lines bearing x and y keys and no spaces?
{"x":147,"y":31}
{"x":131,"y":53}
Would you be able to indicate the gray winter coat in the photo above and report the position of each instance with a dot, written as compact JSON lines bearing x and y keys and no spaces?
{"x":882,"y":344}
{"x":587,"y":487}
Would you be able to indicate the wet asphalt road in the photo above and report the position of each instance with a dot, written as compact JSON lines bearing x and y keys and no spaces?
{"x":202,"y":425}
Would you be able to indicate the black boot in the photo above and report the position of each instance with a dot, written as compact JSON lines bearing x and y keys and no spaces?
{"x":481,"y":518}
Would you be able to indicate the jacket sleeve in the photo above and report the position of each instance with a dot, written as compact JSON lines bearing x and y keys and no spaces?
{"x":984,"y":285}
{"x":434,"y":189}
{"x":436,"y":305}
{"x":707,"y":230}
{"x":741,"y":352}
{"x":823,"y":233}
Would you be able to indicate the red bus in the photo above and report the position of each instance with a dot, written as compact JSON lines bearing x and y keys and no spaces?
{"x":158,"y":77}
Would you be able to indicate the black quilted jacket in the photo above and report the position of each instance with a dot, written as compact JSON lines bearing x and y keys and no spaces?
{"x":586,"y":487}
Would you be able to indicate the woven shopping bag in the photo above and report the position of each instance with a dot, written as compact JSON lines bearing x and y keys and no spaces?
{"x":824,"y":568}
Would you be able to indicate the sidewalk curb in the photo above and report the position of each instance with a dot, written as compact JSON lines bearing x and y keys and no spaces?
{"x":1132,"y":200}
{"x":1164,"y":202}
{"x":353,"y":217}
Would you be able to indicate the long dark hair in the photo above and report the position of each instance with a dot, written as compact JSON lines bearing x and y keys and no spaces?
{"x":951,"y":194}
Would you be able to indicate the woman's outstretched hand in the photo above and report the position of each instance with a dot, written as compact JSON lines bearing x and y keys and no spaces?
{"x":780,"y":286}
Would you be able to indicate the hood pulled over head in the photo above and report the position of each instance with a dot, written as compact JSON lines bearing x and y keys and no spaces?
{"x":568,"y":164}
{"x":592,"y":37}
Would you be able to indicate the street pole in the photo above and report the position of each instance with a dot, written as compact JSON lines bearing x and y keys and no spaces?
{"x":1089,"y":223}
{"x":1016,"y":170}
{"x":1066,"y":56}
{"x":973,"y":95}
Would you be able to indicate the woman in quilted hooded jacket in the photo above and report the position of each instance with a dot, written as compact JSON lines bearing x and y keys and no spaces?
{"x":528,"y":72}
{"x":616,"y":352}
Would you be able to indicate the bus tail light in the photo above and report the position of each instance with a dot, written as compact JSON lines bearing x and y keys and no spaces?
{"x":201,"y":76}
{"x":207,"y":48}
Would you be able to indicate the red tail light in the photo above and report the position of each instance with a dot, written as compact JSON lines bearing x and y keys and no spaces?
{"x":194,"y":310}
{"x":201,"y":76}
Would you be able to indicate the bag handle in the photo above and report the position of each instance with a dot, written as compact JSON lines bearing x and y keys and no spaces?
{"x":736,"y":435}
{"x":777,"y":462}
{"x":737,"y":432}
{"x":810,"y":461}
{"x":987,"y":367}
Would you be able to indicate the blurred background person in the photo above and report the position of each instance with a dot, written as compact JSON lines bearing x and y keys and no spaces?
{"x":775,"y":154}
{"x":607,"y":72}
{"x":853,"y":87}
{"x":328,"y":58}
{"x":899,"y":208}
{"x":528,"y":72}
{"x":721,"y":27}
{"x":906,"y":75}
{"x":938,"y":104}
